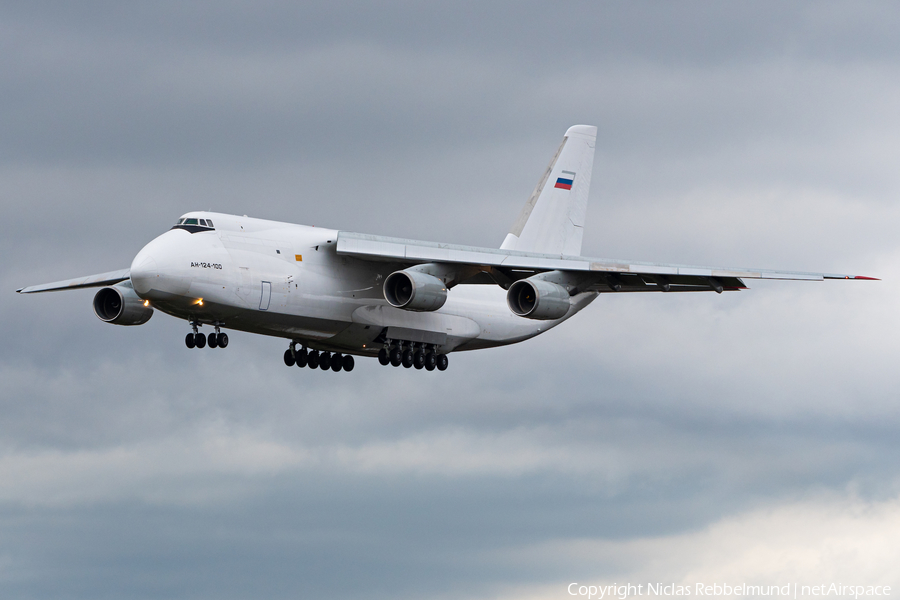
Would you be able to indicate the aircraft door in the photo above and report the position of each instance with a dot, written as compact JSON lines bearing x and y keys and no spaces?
{"x":266,"y":295}
{"x":245,"y":285}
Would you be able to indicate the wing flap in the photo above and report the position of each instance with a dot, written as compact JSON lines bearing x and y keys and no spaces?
{"x":90,"y":281}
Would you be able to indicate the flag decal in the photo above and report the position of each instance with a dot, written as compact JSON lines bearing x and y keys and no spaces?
{"x":565,"y":182}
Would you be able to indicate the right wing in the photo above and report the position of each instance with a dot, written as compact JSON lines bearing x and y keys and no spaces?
{"x":90,"y":281}
{"x":502,"y":266}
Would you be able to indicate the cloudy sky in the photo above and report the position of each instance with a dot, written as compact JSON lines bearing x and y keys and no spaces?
{"x":748,"y":437}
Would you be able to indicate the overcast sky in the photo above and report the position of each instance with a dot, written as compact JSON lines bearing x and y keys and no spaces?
{"x":743,"y":437}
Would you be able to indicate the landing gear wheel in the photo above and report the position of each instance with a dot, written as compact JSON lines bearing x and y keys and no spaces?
{"x":349,"y":363}
{"x":223,"y":340}
{"x":419,"y":359}
{"x":312,"y":359}
{"x":301,"y":357}
{"x":200,"y":340}
{"x":337,"y":362}
{"x":430,"y":361}
{"x":384,"y":357}
{"x":189,"y":340}
{"x":213,"y":340}
{"x":442,"y":362}
{"x":289,"y":358}
{"x":407,"y":358}
{"x":325,"y":361}
{"x":396,"y":357}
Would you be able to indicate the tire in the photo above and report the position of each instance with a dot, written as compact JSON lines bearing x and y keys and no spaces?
{"x":442,"y":362}
{"x":200,"y":340}
{"x":301,"y":357}
{"x":223,"y":340}
{"x":419,"y":359}
{"x":337,"y":362}
{"x":396,"y":357}
{"x":189,"y":340}
{"x":289,"y":358}
{"x":349,"y":363}
{"x":384,"y":357}
{"x":430,"y":361}
{"x":325,"y":361}
{"x":312,"y":359}
{"x":407,"y":358}
{"x":213,"y":340}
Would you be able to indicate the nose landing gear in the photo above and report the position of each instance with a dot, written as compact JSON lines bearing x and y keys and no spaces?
{"x":195,"y":339}
{"x":199,"y":340}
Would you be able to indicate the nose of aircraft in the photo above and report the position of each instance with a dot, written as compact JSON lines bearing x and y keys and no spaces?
{"x":144,"y":272}
{"x":159,"y":271}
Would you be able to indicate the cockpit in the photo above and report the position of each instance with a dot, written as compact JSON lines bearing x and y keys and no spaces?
{"x":194,"y":225}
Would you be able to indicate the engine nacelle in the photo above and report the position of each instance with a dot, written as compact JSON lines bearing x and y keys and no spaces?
{"x":121,"y":306}
{"x":413,"y":290}
{"x":538,"y":299}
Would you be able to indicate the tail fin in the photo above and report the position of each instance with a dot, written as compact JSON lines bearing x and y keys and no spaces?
{"x":552,"y":221}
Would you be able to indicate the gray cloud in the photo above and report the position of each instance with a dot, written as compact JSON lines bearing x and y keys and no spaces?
{"x":760,"y":135}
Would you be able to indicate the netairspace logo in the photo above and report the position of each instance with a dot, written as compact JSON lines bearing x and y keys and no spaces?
{"x":788,"y":590}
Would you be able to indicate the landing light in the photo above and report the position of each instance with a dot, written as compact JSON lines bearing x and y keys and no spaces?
{"x":199,"y":302}
{"x":146,"y":303}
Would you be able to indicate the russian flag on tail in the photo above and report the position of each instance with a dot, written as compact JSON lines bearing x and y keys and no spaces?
{"x":565,"y":182}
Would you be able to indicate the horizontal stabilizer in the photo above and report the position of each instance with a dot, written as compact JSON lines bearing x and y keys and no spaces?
{"x":100,"y":280}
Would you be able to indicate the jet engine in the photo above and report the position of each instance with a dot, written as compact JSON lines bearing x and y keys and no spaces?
{"x":121,"y":306}
{"x":414,"y":290}
{"x":538,"y":299}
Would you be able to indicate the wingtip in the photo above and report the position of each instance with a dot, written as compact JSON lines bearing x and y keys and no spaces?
{"x":860,"y":277}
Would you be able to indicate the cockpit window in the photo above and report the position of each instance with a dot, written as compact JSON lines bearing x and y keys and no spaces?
{"x":194,"y":225}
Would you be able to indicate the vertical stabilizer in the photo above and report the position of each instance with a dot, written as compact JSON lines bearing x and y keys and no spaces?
{"x":552,"y":220}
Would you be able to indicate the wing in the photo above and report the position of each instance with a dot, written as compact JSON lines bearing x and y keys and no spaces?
{"x":489,"y":265}
{"x":99,"y":280}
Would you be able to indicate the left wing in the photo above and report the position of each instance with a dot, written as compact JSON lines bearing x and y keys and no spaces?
{"x":99,"y":280}
{"x":489,"y":265}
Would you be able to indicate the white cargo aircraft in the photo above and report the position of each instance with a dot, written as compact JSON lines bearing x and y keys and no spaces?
{"x":335,"y":294}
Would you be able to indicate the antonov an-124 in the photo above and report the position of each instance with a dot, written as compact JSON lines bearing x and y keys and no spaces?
{"x":335,"y":294}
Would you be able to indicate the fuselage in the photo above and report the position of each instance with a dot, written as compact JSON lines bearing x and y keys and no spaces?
{"x":288,"y":280}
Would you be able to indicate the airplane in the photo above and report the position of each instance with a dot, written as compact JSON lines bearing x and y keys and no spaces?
{"x":336,"y":294}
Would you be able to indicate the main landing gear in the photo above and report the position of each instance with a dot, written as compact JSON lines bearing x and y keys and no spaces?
{"x":317,"y":360}
{"x":199,"y":340}
{"x":412,"y":354}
